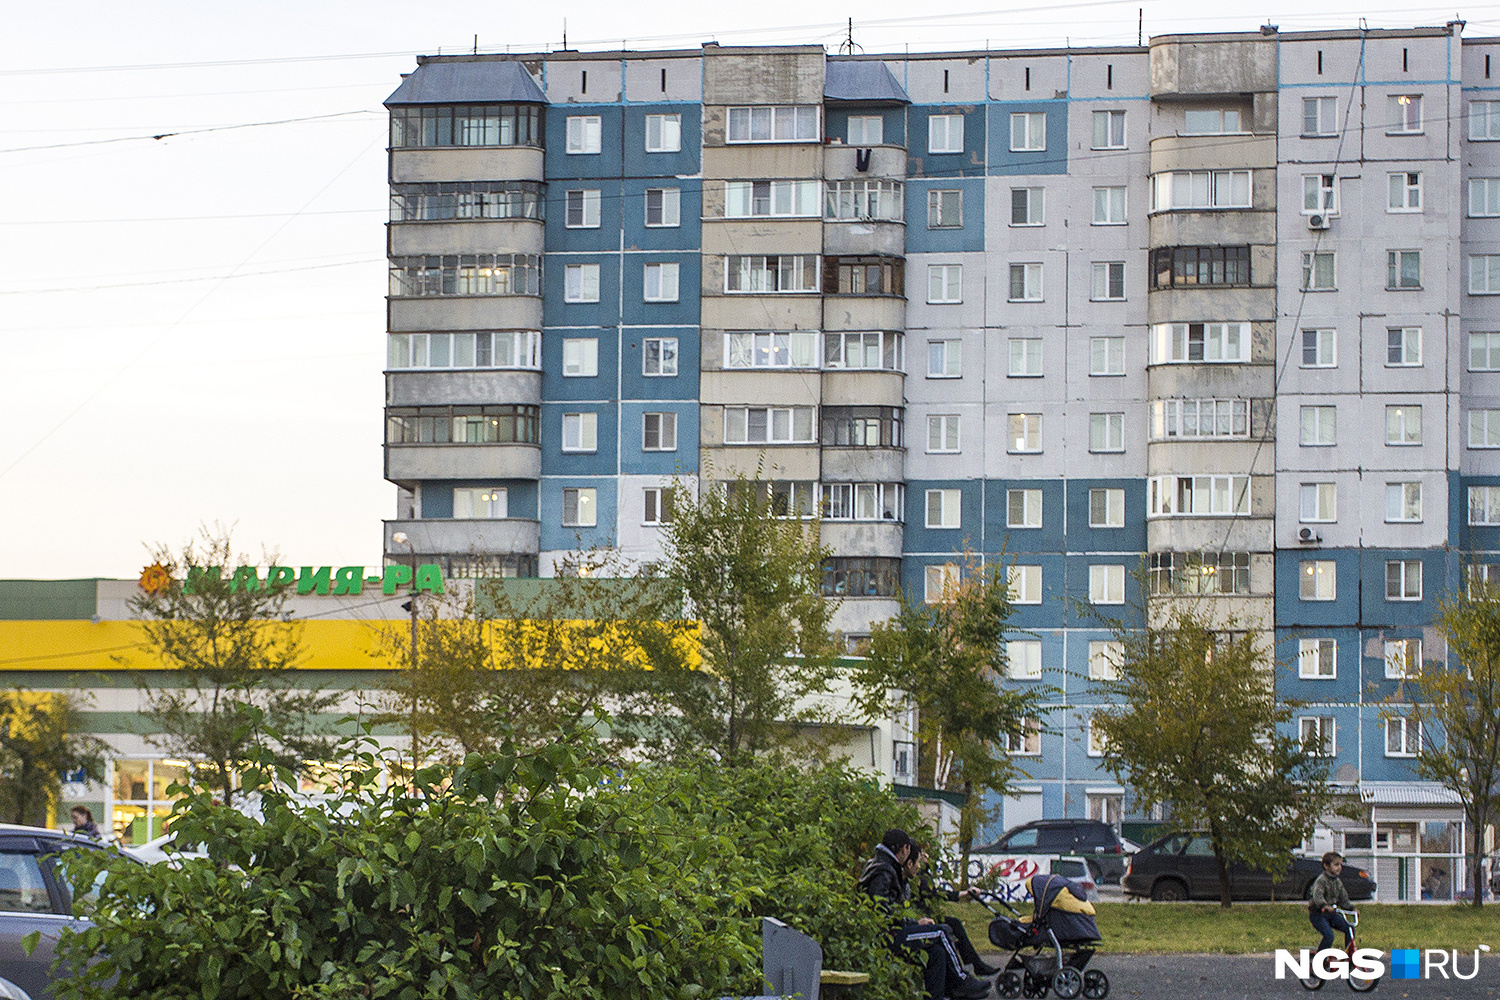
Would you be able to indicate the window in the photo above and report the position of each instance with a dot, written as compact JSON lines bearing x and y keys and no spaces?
{"x":1317,"y":733}
{"x":1106,"y":584}
{"x":1026,"y":283}
{"x":1484,"y":352}
{"x":1403,"y":580}
{"x":479,"y":502}
{"x":467,"y":274}
{"x":943,"y":508}
{"x":1106,"y":355}
{"x":1320,"y":116}
{"x":1025,"y":584}
{"x":865,"y":199}
{"x":941,"y":582}
{"x":1484,"y":274}
{"x":1406,"y":114}
{"x":945,"y":133}
{"x":659,"y":432}
{"x":580,"y":508}
{"x":583,"y":209}
{"x":1109,"y":206}
{"x":663,"y":133}
{"x":872,"y":576}
{"x":1109,"y":130}
{"x":1319,"y":425}
{"x":1319,"y":194}
{"x":795,"y":349}
{"x":24,"y":891}
{"x":1023,"y":508}
{"x":945,"y":209}
{"x":1109,"y":281}
{"x":942,"y":434}
{"x":867,"y":349}
{"x":1028,"y":131}
{"x":659,"y":356}
{"x":657,"y":506}
{"x":1403,"y":501}
{"x":581,"y":283}
{"x":466,"y":125}
{"x":441,"y":202}
{"x":1200,"y":496}
{"x":1403,"y":425}
{"x":1106,"y":507}
{"x":1484,"y":428}
{"x":1023,"y":660}
{"x":862,"y":427}
{"x":1484,"y":196}
{"x":461,"y":425}
{"x":1317,"y":659}
{"x":580,"y":432}
{"x":1203,"y":573}
{"x":1189,"y":267}
{"x":1210,"y":121}
{"x":768,"y":425}
{"x":1482,"y":579}
{"x":1405,"y":192}
{"x":663,"y":207}
{"x":865,"y":130}
{"x":750,"y":199}
{"x":787,"y":498}
{"x":864,"y":275}
{"x":945,"y":357}
{"x":1106,"y":432}
{"x":784,"y":273}
{"x":1027,"y":206}
{"x":583,"y":134}
{"x":1025,"y":357}
{"x":1403,"y":658}
{"x":1484,"y":120}
{"x":1028,"y":742}
{"x":660,"y":283}
{"x":1403,"y":737}
{"x":1403,"y":347}
{"x":1317,"y":502}
{"x":1104,"y":660}
{"x":1318,"y":349}
{"x":1176,"y":343}
{"x":1025,"y":432}
{"x":864,"y":502}
{"x":1200,"y":189}
{"x":580,"y":357}
{"x":1199,"y":418}
{"x":484,"y":349}
{"x":1317,"y":271}
{"x":773,"y":124}
{"x":1484,"y":504}
{"x":1403,"y":269}
{"x":945,"y":283}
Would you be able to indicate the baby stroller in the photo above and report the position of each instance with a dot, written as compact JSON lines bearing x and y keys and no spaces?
{"x":1050,"y":948}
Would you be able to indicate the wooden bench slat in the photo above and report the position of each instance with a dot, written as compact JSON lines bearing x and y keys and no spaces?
{"x":835,"y":977}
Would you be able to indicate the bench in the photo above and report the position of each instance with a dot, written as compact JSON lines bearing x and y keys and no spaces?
{"x":792,"y":964}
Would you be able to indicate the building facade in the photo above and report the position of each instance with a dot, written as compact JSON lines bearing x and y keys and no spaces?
{"x":1218,"y":307}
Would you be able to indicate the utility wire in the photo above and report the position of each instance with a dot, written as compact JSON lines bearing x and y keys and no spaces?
{"x":186,"y":132}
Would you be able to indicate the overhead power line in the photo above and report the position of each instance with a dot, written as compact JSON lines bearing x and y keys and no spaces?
{"x":195,"y":131}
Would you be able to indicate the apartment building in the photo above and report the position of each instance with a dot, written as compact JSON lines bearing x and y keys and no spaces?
{"x":1216,"y":307}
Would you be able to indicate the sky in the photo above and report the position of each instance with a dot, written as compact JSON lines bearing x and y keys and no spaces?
{"x":216,"y":175}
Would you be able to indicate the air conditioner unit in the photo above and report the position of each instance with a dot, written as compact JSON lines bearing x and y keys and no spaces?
{"x":1319,"y":220}
{"x":1307,"y":535}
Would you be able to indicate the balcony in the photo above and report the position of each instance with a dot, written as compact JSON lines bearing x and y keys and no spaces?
{"x":465,"y":163}
{"x":863,"y":387}
{"x":506,"y":536}
{"x":464,"y":312}
{"x":863,"y":465}
{"x":864,"y":312}
{"x":841,"y":162}
{"x":863,"y":538}
{"x":416,"y":387}
{"x":408,"y":463}
{"x":464,"y":236}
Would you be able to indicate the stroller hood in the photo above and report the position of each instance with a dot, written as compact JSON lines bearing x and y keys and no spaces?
{"x":1062,"y":906}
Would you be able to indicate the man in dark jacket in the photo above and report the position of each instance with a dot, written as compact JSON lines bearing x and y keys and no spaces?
{"x":926,"y":895}
{"x":884,"y":878}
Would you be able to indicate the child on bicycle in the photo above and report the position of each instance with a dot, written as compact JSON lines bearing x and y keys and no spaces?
{"x":1325,"y":898}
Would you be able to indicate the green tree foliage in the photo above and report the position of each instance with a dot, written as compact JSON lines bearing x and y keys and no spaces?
{"x":534,"y":874}
{"x":946,"y":660}
{"x":1197,"y":729}
{"x":232,"y":657}
{"x":1457,"y":708}
{"x":39,"y":742}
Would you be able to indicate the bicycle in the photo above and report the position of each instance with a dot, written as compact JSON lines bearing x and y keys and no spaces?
{"x":1358,"y":984}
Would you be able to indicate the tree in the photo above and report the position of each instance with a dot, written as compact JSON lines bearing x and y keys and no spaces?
{"x":233,"y":653}
{"x":39,"y":743}
{"x":753,"y":581}
{"x":1197,"y":729}
{"x":946,"y":660}
{"x":1456,"y":709}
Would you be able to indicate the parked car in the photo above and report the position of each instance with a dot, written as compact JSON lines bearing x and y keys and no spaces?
{"x":164,"y":849}
{"x":1182,"y":866}
{"x":34,"y":897}
{"x":1105,"y":850}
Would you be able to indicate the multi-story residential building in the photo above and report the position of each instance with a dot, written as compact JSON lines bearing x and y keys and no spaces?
{"x":1215,"y":307}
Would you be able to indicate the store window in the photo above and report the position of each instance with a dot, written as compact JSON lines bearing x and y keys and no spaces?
{"x":141,"y":800}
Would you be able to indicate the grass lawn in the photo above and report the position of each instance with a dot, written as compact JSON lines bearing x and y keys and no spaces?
{"x":1247,"y":928}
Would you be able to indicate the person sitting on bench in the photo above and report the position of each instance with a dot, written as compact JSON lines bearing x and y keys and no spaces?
{"x":925,"y":896}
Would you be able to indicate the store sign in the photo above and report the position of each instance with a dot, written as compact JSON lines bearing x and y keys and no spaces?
{"x":345,"y":580}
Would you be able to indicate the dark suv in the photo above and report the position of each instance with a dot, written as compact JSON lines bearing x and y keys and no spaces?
{"x":1095,"y":840}
{"x":1182,"y":866}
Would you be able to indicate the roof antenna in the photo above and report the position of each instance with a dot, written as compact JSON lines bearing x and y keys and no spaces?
{"x":848,"y":45}
{"x":476,"y":45}
{"x":565,"y":34}
{"x":1140,"y":24}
